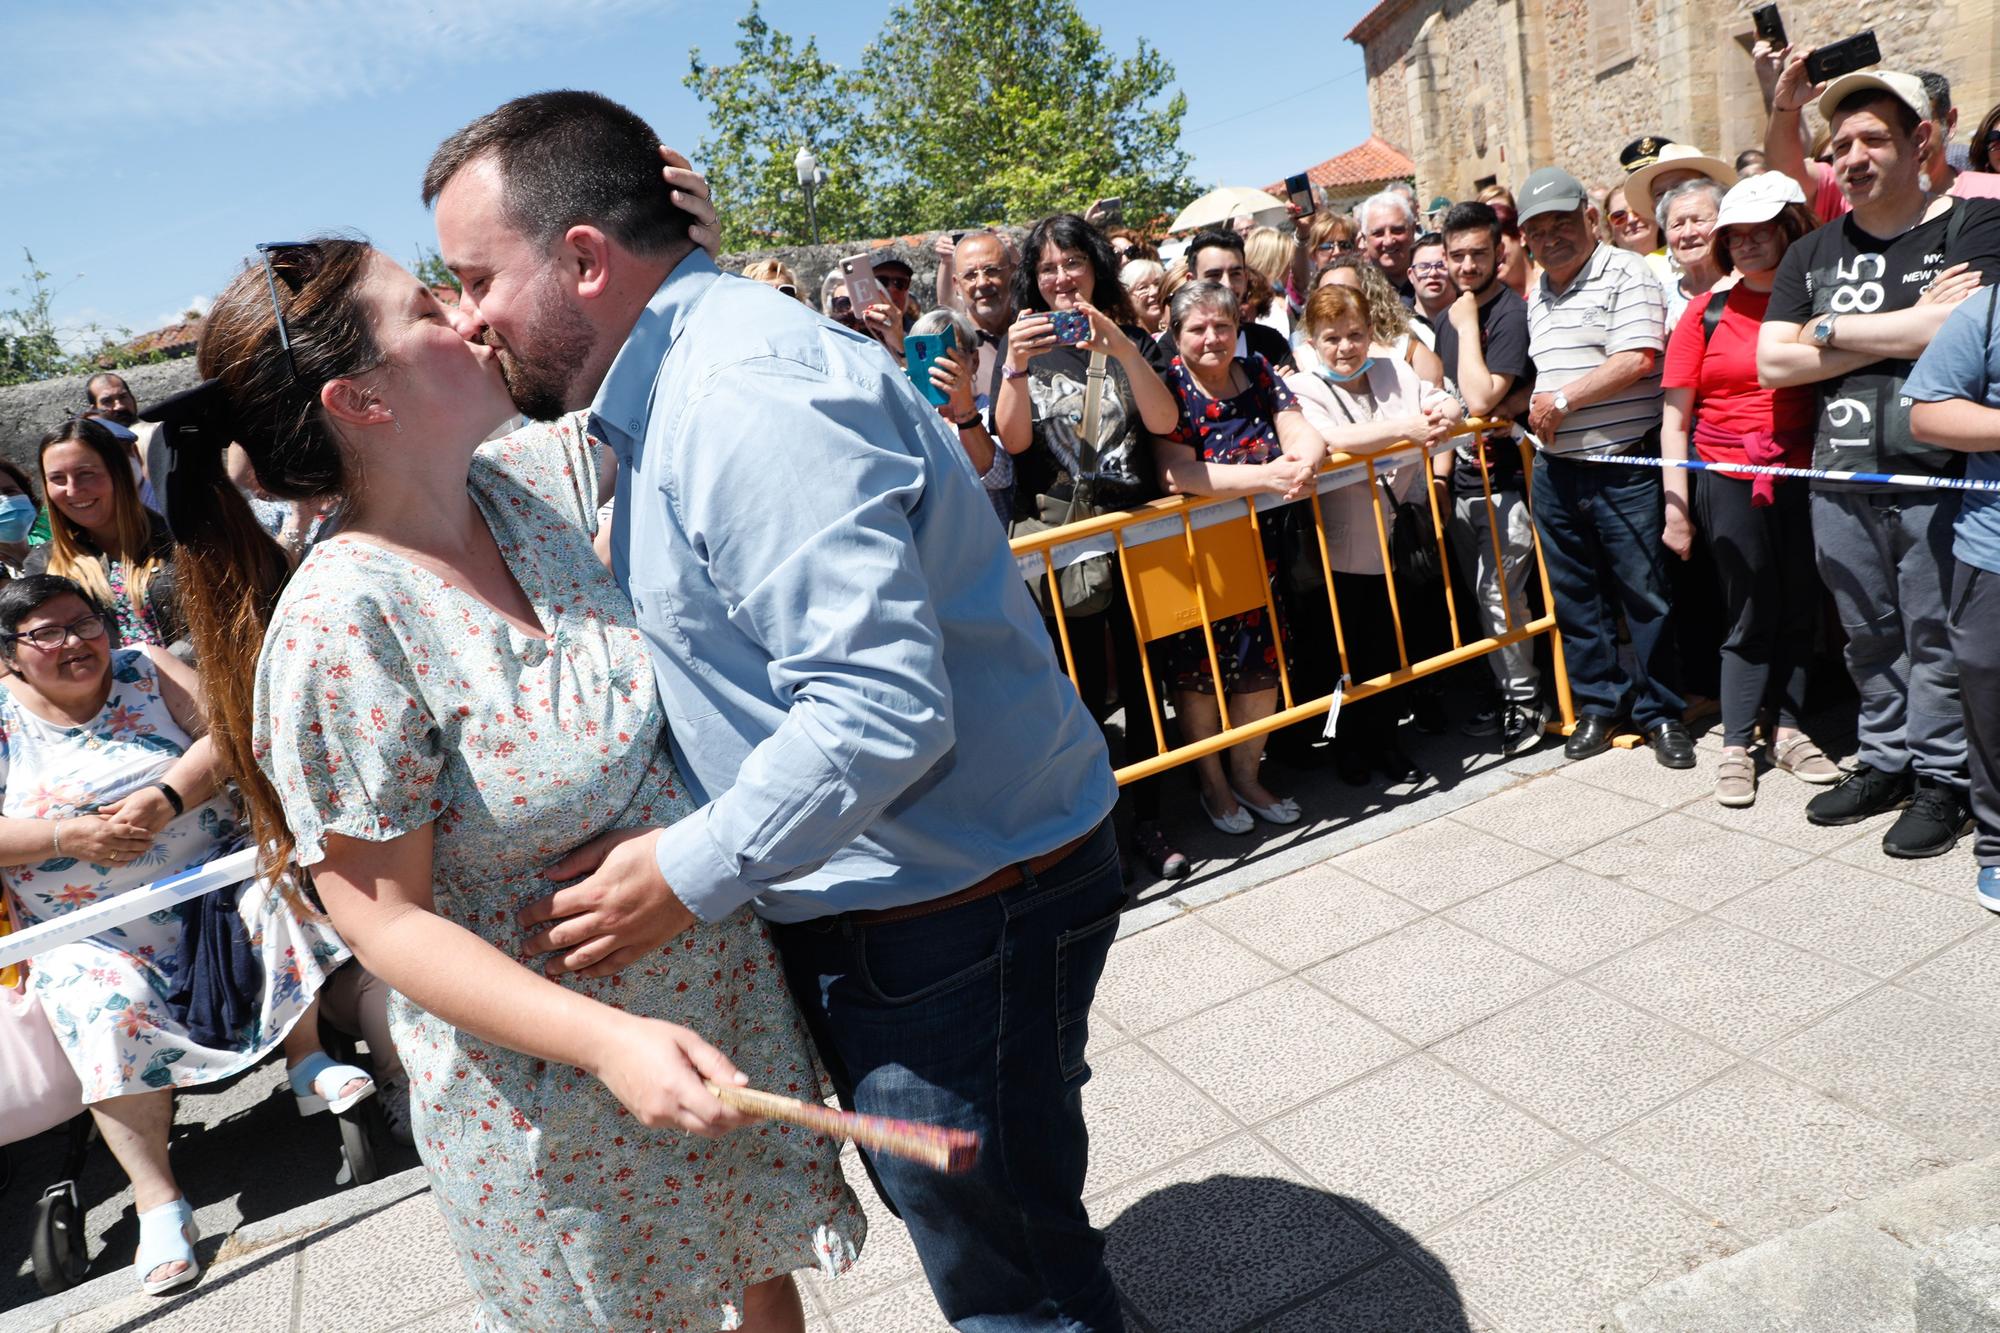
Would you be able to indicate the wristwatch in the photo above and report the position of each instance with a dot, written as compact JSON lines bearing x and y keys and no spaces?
{"x":1822,"y":332}
{"x":173,"y":798}
{"x":970,"y":420}
{"x":1562,"y":403}
{"x":1008,"y":372}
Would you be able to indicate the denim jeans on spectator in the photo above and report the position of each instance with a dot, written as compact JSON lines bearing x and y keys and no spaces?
{"x":975,"y":1018}
{"x":1975,"y":636}
{"x":1600,"y":526}
{"x":1886,"y":558}
{"x":1503,"y":586}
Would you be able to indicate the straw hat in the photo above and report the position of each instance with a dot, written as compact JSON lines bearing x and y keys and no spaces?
{"x":1674,"y":157}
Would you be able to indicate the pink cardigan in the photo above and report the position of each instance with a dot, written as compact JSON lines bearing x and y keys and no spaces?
{"x":1348,"y":512}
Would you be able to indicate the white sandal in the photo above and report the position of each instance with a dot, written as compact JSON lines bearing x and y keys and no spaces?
{"x":1284,"y":810}
{"x":317,"y":1080}
{"x":167,"y":1235}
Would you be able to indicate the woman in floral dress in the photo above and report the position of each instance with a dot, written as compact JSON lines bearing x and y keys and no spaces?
{"x":451,"y":697}
{"x":98,"y":746}
{"x":1239,"y":434}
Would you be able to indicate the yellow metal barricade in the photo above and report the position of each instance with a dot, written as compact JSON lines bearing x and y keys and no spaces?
{"x":1188,"y":563}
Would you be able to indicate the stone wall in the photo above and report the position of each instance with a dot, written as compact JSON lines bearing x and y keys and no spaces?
{"x":1478,"y":88}
{"x":28,"y":411}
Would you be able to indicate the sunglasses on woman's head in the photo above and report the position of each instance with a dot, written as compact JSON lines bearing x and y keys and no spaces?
{"x":294,"y":259}
{"x":840,"y":305}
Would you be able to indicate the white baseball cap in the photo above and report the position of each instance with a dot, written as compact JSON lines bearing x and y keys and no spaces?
{"x":1905,"y":88}
{"x":1758,"y":199}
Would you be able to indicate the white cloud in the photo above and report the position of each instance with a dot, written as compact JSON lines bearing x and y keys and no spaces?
{"x":81,"y":68}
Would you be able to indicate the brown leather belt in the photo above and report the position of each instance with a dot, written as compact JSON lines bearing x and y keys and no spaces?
{"x":1006,"y":877}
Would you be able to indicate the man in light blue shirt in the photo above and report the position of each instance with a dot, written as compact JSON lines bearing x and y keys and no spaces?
{"x":1954,"y":394}
{"x":894,"y":772}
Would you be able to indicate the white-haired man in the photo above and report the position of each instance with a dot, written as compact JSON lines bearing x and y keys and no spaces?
{"x":1388,"y":227}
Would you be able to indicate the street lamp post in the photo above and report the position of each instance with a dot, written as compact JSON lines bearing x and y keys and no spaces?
{"x":810,"y":175}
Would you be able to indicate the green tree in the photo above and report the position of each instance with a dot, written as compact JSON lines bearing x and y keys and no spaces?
{"x":1010,"y":109}
{"x":777,"y":97}
{"x":428,"y":268}
{"x":33,"y":346}
{"x":962,"y":111}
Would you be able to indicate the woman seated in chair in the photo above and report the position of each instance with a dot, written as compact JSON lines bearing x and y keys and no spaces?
{"x":110,"y":784}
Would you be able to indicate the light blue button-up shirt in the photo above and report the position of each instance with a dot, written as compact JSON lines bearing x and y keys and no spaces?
{"x":856,"y":681}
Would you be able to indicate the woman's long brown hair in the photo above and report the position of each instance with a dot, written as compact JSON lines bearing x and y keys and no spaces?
{"x":70,"y":547}
{"x":230,"y":569}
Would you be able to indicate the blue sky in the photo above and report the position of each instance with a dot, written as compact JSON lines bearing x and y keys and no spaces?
{"x":146,"y":146}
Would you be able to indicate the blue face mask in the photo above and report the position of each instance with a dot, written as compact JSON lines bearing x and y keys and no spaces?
{"x":17,"y":515}
{"x":1333,"y":376}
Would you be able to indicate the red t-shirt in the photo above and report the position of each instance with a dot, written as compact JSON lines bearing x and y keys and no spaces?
{"x":1723,"y":376}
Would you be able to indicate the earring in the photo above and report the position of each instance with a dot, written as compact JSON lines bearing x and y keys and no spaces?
{"x":393,"y":422}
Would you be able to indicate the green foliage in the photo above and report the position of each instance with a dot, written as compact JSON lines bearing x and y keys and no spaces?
{"x":428,"y":268}
{"x":962,"y":111}
{"x":777,"y":97}
{"x":33,"y":347}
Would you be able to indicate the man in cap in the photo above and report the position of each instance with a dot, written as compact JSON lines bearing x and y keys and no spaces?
{"x":1596,"y":329}
{"x":1783,"y":71}
{"x":1854,"y":304}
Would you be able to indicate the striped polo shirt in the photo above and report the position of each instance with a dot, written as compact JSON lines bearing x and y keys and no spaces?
{"x":1613,"y":305}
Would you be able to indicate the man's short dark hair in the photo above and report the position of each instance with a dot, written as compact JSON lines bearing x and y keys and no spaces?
{"x":1472,"y":216}
{"x":1901,"y":113}
{"x":1208,"y":240}
{"x":90,"y":385}
{"x":567,"y":158}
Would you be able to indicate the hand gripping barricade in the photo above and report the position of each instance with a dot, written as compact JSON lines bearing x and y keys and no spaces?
{"x":1187,"y":563}
{"x":40,"y":1091}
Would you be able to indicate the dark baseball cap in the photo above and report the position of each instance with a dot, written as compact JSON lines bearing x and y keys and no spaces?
{"x":1550,"y":190}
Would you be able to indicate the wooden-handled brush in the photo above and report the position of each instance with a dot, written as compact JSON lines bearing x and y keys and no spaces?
{"x":951,"y":1151}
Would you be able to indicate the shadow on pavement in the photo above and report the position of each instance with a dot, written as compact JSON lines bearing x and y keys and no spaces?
{"x":1236,"y":1252}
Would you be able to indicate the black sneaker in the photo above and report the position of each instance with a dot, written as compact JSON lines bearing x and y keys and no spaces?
{"x":1862,"y":794}
{"x":1485,"y":722}
{"x":1937,"y":818}
{"x":1522,"y":728}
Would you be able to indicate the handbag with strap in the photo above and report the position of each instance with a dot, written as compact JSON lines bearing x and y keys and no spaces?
{"x":1413,"y":536}
{"x":1088,"y":586}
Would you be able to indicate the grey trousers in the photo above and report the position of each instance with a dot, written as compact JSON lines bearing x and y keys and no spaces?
{"x":1975,"y":633}
{"x":1886,"y":558}
{"x":1503,"y":586}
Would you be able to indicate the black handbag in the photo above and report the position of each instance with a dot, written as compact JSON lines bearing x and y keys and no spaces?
{"x":1413,"y":539}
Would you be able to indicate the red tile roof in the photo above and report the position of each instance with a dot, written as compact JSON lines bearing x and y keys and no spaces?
{"x":175,"y":338}
{"x":1373,"y":163}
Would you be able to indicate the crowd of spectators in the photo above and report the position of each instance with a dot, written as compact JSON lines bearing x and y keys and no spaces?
{"x":1684,"y":314}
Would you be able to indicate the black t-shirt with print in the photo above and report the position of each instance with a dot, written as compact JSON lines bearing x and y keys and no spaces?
{"x":1503,"y":335}
{"x":1123,"y":474}
{"x":1864,"y":420}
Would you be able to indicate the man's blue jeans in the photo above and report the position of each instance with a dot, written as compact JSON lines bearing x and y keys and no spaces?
{"x":975,"y":1018}
{"x":1600,"y":526}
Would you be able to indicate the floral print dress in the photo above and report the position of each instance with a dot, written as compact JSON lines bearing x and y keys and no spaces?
{"x":106,"y":996}
{"x":388,"y":699}
{"x":1239,"y":429}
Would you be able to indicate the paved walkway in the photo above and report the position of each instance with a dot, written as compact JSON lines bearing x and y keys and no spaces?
{"x":1558,"y":1038}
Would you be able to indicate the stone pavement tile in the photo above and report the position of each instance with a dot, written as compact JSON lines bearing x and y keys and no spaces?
{"x":1224,"y":1237}
{"x":1566,"y":918}
{"x":909,"y":1308}
{"x":1392,"y":1297}
{"x":1175,"y":970}
{"x":1954,"y":874}
{"x":1764,"y":1155}
{"x":458,"y":1319}
{"x":1430,"y":979}
{"x":380,"y":1272}
{"x":1555,"y":1255}
{"x":1582,"y":1061}
{"x":1141,"y":1117}
{"x":1439,"y":863}
{"x":1738,"y":989}
{"x":1967,"y":974}
{"x":1308,"y":915}
{"x":1556,"y":816}
{"x":1416,"y":1143}
{"x":1855,"y":916}
{"x":888,"y":1256}
{"x":250,"y":1295}
{"x":1274,"y":1048}
{"x":1102,"y":1033}
{"x":1929,"y":1069}
{"x":1636,"y":773}
{"x":1692,"y":861}
{"x":1780,"y":815}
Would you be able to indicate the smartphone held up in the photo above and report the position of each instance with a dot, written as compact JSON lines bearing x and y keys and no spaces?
{"x":921,"y":351}
{"x":1829,"y":62}
{"x":863,"y":289}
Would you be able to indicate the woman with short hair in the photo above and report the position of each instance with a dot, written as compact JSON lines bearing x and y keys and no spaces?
{"x":1687,"y":218}
{"x":1142,"y":280}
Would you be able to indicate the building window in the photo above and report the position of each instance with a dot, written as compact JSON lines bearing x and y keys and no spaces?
{"x":1611,"y":34}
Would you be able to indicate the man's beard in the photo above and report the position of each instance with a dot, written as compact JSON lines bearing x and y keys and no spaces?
{"x":540,"y":373}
